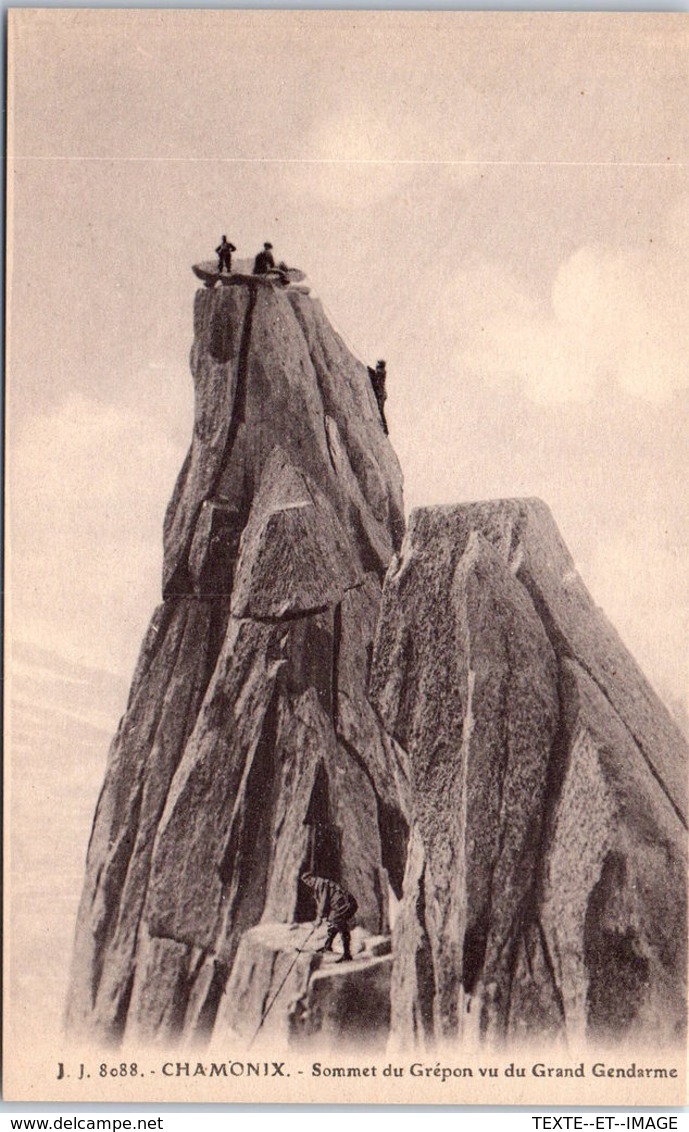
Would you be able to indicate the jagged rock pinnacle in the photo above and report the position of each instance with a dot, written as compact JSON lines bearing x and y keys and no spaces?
{"x":545,"y":882}
{"x":248,"y":751}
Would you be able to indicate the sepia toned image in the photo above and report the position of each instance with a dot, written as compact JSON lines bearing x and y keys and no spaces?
{"x":347,"y":616}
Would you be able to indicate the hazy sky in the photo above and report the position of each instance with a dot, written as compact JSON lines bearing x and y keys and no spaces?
{"x":495,"y":203}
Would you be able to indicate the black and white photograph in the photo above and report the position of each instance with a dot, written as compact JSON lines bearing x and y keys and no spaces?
{"x":347,"y":602}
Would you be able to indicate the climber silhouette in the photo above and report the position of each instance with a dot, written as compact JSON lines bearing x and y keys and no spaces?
{"x":378,"y":377}
{"x":224,"y":253}
{"x":336,"y":905}
{"x":264,"y":261}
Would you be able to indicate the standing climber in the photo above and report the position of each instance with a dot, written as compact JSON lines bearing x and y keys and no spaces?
{"x":224,"y":253}
{"x":264,"y":261}
{"x":378,"y":377}
{"x":337,"y":906}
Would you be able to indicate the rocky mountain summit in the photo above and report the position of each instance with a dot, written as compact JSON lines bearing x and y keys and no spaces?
{"x":442,"y":721}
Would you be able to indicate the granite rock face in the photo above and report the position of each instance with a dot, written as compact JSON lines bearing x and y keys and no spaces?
{"x":546,"y":876}
{"x":468,"y":747}
{"x":268,"y":369}
{"x":248,"y":751}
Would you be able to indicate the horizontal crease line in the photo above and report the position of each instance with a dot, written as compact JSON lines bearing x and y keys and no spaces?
{"x":355,"y":162}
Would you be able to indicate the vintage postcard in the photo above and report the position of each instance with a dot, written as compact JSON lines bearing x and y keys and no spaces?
{"x":347,"y":614}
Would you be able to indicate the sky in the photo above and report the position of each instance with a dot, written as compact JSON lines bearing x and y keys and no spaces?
{"x":497,"y":204}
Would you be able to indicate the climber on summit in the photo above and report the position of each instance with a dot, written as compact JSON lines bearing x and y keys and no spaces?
{"x":224,"y":253}
{"x":336,"y":905}
{"x":264,"y":261}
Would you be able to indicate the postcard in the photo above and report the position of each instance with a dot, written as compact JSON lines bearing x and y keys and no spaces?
{"x":347,"y":610}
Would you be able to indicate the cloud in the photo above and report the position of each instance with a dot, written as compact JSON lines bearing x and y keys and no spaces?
{"x":613,"y":315}
{"x":363,"y":152}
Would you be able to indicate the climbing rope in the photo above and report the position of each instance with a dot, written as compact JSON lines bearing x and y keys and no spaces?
{"x":291,"y":967}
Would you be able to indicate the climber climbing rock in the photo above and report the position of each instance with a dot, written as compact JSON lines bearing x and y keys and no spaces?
{"x":336,"y":905}
{"x":378,"y":378}
{"x":224,"y":253}
{"x":264,"y":261}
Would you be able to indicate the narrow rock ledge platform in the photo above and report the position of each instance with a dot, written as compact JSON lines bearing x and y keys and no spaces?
{"x":303,"y":996}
